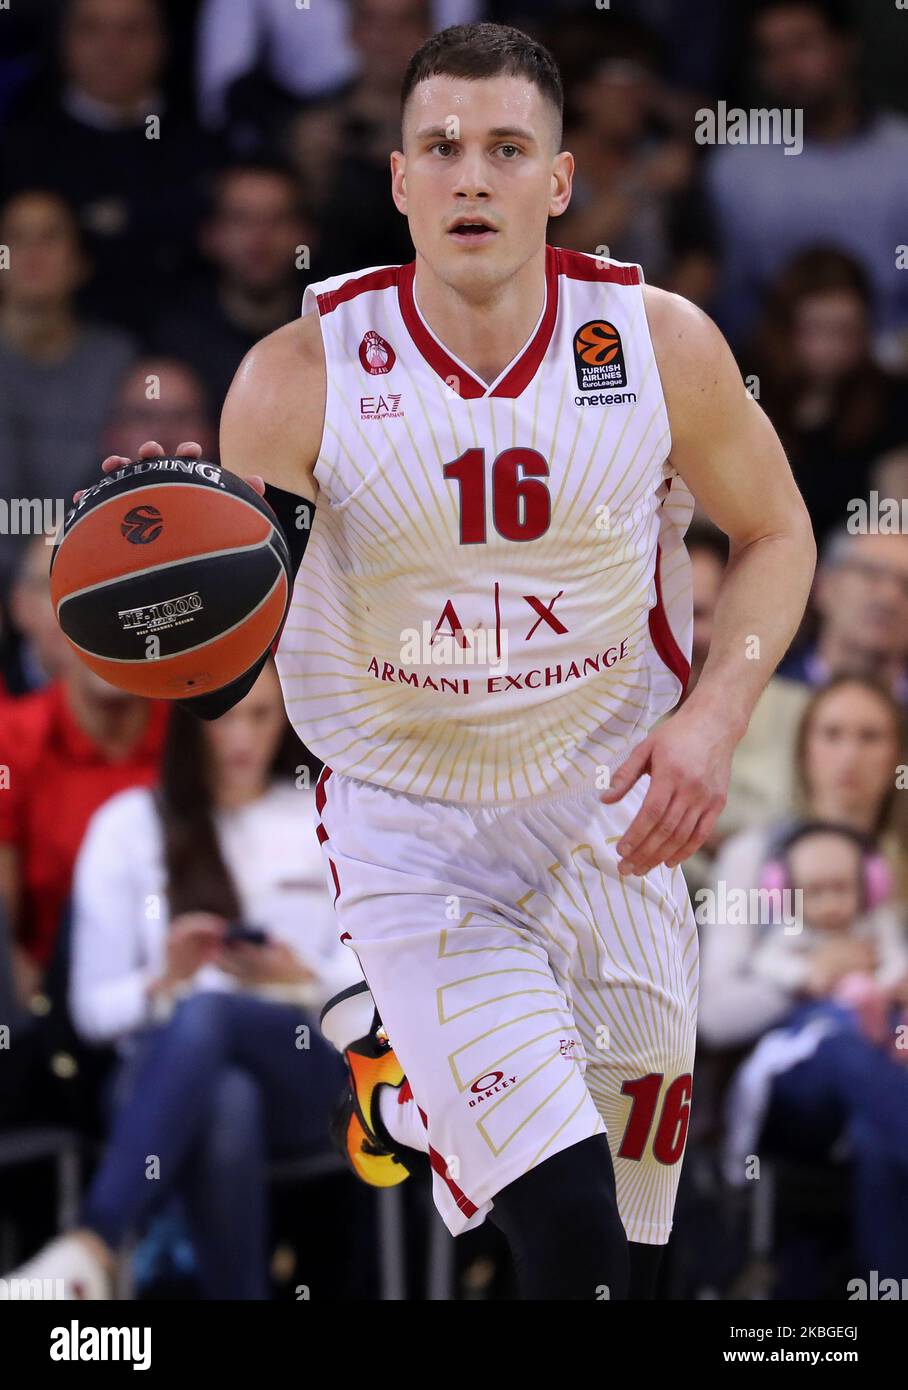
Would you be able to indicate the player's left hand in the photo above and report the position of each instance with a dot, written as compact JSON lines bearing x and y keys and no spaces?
{"x":688,"y":759}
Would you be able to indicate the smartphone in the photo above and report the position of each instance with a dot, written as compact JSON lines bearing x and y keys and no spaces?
{"x":236,"y":932}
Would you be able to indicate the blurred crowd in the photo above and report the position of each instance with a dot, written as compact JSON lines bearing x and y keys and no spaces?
{"x":172,"y":176}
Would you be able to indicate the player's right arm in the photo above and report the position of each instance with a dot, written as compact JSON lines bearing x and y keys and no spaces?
{"x":274,"y":412}
{"x":272,"y":423}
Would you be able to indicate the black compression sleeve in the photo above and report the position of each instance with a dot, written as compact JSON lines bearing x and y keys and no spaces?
{"x":295,"y":515}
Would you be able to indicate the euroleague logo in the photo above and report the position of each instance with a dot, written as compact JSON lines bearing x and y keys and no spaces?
{"x":376,"y":354}
{"x":599,"y":356}
{"x":142,"y":524}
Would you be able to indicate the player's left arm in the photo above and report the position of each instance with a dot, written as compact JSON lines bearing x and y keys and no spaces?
{"x":728,"y":453}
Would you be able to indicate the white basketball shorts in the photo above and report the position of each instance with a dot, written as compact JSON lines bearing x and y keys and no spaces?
{"x":533,"y":995}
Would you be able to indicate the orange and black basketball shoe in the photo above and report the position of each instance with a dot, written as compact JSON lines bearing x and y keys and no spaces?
{"x":357,"y":1128}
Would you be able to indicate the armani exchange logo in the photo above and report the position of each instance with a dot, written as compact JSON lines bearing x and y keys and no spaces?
{"x":77,"y":1343}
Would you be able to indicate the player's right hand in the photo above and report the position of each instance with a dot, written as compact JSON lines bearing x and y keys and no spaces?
{"x":152,"y":449}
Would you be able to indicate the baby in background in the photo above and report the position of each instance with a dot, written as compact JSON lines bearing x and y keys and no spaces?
{"x":847,"y":950}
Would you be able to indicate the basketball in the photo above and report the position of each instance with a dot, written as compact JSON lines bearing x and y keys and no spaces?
{"x":170,"y":577}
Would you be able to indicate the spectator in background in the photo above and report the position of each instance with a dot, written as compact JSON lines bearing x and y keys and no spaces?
{"x":223,"y":1063}
{"x":847,"y":187}
{"x":257,"y":59}
{"x":708,"y":550}
{"x":58,"y":374}
{"x":861,"y":598}
{"x":18,"y":57}
{"x":385,"y":34}
{"x":889,"y":476}
{"x":68,"y":747}
{"x":832,"y":1070}
{"x":821,"y":859}
{"x":251,"y":238}
{"x":634,"y":177}
{"x":313,"y":143}
{"x":835,"y":410}
{"x":39,"y":654}
{"x":850,"y":743}
{"x":160,"y":398}
{"x":136,"y":189}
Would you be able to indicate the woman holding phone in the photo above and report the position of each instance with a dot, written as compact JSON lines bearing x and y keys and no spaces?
{"x":204,"y":945}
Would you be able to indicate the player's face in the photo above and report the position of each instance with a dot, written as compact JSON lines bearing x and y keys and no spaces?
{"x":483,"y":149}
{"x":827,"y":869}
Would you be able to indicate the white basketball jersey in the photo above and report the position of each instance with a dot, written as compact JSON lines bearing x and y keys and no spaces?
{"x":495,"y":600}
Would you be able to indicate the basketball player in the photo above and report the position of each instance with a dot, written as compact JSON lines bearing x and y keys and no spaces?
{"x":492,"y":453}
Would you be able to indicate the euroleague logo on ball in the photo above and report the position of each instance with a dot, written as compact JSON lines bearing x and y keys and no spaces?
{"x":599,"y":356}
{"x":376,"y":354}
{"x":142,"y":524}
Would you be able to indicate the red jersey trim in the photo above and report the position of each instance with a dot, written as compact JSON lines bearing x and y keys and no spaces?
{"x":521,"y":372}
{"x":572,"y":264}
{"x":321,"y":798}
{"x":383,"y":279}
{"x":663,"y":638}
{"x":576,"y":266}
{"x":462,"y":1201}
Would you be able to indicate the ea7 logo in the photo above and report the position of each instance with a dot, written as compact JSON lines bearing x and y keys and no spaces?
{"x":380,"y":407}
{"x":75,"y":1343}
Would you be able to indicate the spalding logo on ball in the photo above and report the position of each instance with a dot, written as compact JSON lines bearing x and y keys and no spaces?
{"x":170,"y":577}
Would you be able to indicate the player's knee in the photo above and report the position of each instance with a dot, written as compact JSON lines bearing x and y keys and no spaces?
{"x":565,"y":1188}
{"x":562,"y":1223}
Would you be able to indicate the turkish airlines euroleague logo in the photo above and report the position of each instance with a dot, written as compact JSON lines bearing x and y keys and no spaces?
{"x":599,"y":356}
{"x":141,"y":525}
{"x":376,"y":353}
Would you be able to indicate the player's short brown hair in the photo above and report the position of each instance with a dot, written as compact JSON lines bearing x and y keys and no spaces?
{"x":483,"y":50}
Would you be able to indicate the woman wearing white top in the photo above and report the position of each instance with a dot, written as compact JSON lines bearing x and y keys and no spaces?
{"x":222,"y":1063}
